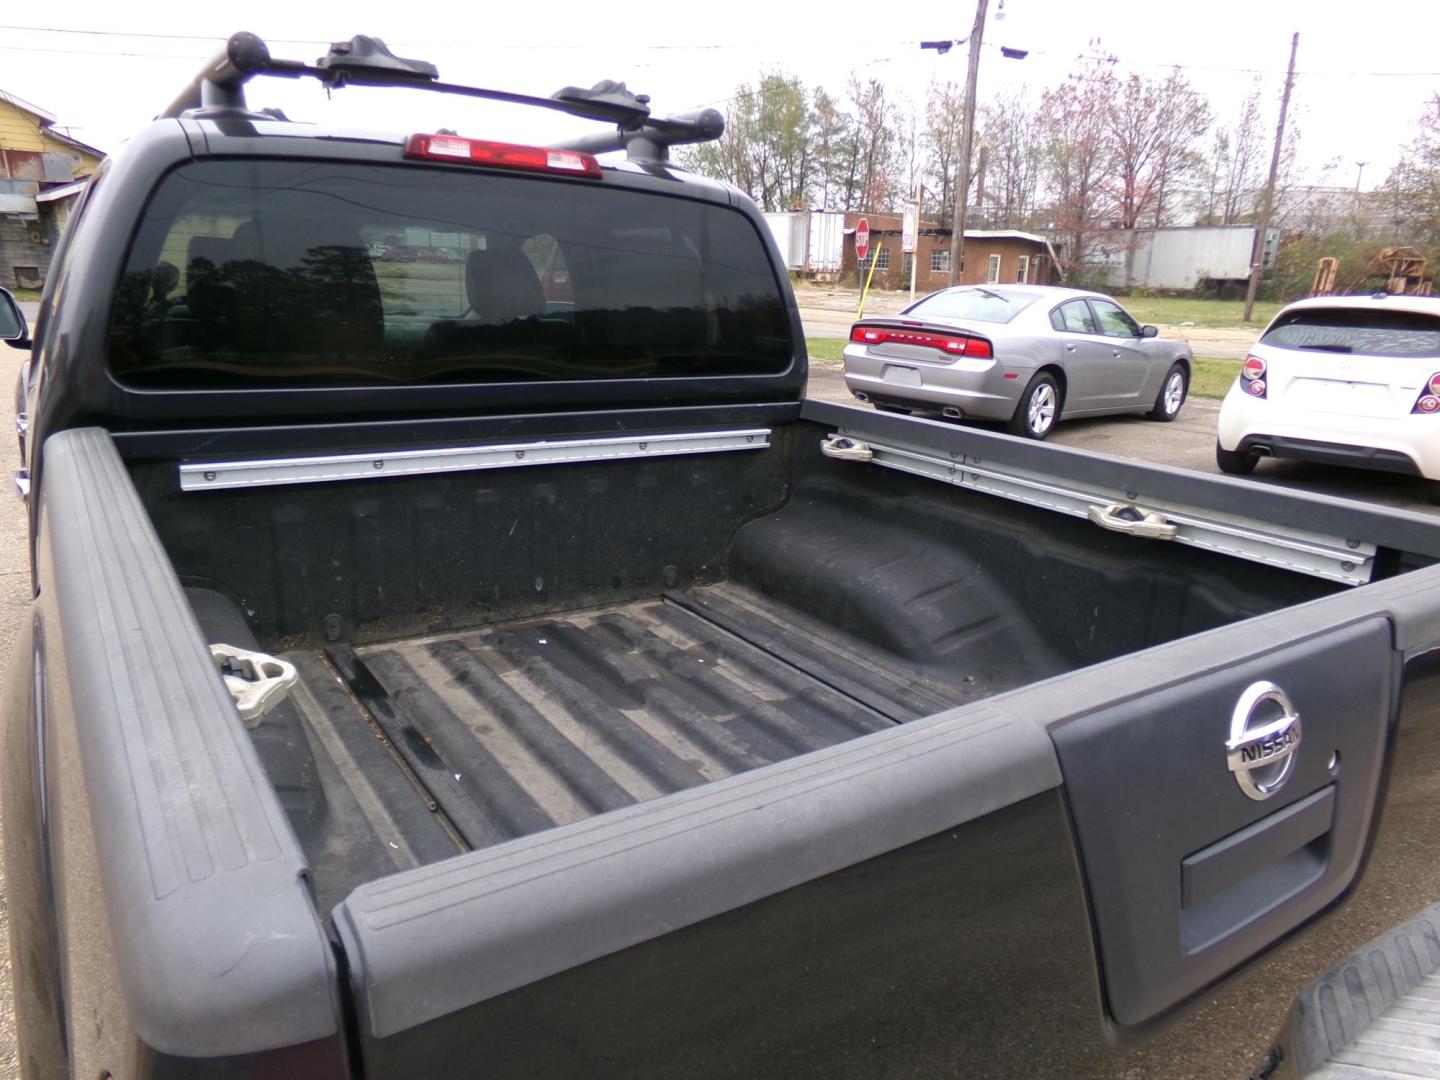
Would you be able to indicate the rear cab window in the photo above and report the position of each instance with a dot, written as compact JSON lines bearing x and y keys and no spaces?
{"x":248,"y":273}
{"x":1369,"y":331}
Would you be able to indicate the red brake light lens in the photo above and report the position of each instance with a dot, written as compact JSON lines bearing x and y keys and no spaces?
{"x":1254,"y":368}
{"x":1256,"y":387}
{"x":1434,"y":383}
{"x":505,"y":155}
{"x":976,"y":348}
{"x":1428,"y":404}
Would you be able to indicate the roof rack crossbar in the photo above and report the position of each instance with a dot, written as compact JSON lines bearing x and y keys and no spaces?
{"x":652,"y":140}
{"x":366,"y":61}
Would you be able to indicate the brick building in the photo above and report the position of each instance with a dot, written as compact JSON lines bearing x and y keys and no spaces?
{"x":991,"y":255}
{"x":41,"y":174}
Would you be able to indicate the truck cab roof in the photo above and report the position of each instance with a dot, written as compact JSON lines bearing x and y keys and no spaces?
{"x":194,"y":298}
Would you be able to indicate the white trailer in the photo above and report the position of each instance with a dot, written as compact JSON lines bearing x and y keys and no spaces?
{"x":791,"y":229}
{"x":827,"y":242}
{"x":1181,"y":257}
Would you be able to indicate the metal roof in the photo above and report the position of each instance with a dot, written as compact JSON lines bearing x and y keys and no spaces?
{"x":18,"y":204}
{"x":64,"y":191}
{"x":1003,"y":234}
{"x":47,"y":122}
{"x":22,"y":104}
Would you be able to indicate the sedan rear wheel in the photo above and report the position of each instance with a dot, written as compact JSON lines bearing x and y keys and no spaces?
{"x":1172,"y":394}
{"x":1039,"y":408}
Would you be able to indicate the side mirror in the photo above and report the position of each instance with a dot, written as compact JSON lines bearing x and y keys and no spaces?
{"x":1148,"y":331}
{"x":13,"y":329}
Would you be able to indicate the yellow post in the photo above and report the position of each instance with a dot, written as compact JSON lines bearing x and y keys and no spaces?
{"x":860,"y":314}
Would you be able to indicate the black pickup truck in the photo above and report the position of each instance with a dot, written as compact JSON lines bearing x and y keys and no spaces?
{"x":487,"y":663}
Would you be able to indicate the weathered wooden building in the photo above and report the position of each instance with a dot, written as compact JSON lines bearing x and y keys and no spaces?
{"x":42,"y":170}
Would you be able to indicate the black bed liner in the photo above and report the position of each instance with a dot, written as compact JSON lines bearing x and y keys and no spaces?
{"x":463,"y":740}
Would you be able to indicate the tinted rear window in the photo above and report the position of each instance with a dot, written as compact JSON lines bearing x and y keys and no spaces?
{"x":1357,"y":330}
{"x":978,"y":305}
{"x":249,"y":273}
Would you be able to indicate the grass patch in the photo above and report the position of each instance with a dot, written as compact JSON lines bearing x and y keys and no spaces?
{"x":1175,"y":310}
{"x":29,"y":296}
{"x":1212,"y":376}
{"x":825,"y":349}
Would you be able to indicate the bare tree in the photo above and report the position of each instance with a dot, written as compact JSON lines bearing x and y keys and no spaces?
{"x":875,"y":140}
{"x":941,"y":142}
{"x":1079,"y":156}
{"x":834,"y":138}
{"x":1241,"y":171}
{"x":1417,"y":177}
{"x":1012,"y":133}
{"x":1152,"y":125}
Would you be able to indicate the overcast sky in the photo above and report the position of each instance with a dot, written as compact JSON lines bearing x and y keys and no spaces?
{"x":1366,"y":69}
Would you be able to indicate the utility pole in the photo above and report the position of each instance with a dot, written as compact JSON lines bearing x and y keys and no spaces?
{"x":967,"y":136}
{"x":1268,"y":207}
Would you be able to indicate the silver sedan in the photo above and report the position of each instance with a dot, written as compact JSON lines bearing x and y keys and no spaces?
{"x":1027,"y":355}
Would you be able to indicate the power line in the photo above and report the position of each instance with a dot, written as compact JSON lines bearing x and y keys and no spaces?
{"x":658,"y":47}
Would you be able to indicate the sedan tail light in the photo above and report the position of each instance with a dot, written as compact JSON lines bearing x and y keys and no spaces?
{"x":976,"y":348}
{"x":1252,"y":376}
{"x":1429,"y":400}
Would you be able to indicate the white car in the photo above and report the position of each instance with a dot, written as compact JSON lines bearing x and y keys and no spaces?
{"x":1343,"y":380}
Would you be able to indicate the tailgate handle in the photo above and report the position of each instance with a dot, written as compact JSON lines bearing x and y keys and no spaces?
{"x":1235,"y":880}
{"x":1131,"y":520}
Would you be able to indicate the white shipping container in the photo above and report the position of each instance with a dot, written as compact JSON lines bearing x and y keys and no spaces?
{"x":827,"y":241}
{"x":792,"y":236}
{"x":1181,"y":257}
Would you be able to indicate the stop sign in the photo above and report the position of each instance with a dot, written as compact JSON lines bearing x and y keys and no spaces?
{"x":862,"y":238}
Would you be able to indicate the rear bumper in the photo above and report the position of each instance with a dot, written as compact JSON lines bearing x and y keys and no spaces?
{"x":1408,"y":444}
{"x":981,"y":391}
{"x":1327,"y":453}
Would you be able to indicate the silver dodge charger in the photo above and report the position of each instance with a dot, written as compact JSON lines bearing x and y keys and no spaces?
{"x":1027,"y":355}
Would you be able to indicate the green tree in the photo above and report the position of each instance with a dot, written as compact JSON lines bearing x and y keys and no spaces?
{"x":768,"y":149}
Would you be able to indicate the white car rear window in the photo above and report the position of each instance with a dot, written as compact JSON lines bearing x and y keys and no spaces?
{"x":1357,"y":330}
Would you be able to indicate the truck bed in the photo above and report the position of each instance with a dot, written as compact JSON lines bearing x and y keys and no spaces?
{"x":500,"y":659}
{"x":458,"y":741}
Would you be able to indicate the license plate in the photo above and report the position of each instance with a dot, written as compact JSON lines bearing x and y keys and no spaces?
{"x":1337,"y":396}
{"x":900,"y":376}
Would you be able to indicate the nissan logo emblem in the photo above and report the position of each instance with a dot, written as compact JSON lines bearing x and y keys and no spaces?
{"x":1264,"y":735}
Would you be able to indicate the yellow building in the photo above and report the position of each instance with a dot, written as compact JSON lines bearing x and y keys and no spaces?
{"x":42,"y":170}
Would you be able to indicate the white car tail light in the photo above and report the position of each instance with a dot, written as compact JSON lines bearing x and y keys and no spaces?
{"x":1429,"y":401}
{"x":1252,"y":376}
